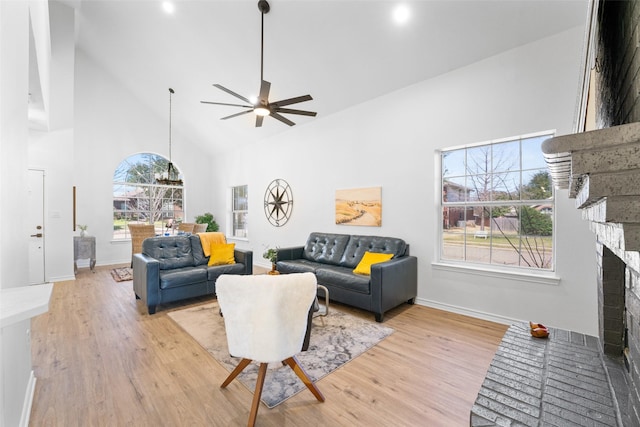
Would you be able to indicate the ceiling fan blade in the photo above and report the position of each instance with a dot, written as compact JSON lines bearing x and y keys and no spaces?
{"x":282,"y":119}
{"x":259,"y":120}
{"x":230,"y":92}
{"x":265,"y":86}
{"x":224,"y":103}
{"x":236,"y":115}
{"x":292,"y":101}
{"x":301,"y":112}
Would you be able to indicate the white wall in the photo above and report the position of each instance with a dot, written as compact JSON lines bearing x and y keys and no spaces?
{"x":15,"y":345}
{"x":391,"y":141}
{"x":111,"y":125}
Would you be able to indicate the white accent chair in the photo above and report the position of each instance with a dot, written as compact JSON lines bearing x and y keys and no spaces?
{"x":265,"y":317}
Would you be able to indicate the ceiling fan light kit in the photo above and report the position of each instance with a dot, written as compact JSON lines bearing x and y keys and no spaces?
{"x":261,"y":111}
{"x":262,"y":107}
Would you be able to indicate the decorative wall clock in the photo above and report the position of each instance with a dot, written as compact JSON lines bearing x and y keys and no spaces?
{"x":278,"y":202}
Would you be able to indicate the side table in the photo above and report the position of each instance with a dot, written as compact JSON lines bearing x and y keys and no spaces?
{"x":84,"y":248}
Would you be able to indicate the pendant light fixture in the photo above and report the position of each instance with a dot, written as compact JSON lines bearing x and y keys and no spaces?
{"x":171,"y":176}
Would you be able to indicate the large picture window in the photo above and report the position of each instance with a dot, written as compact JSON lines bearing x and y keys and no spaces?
{"x":240,"y":210}
{"x":139,"y":199}
{"x":497,"y":204}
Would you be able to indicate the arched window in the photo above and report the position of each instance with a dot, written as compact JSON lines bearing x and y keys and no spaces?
{"x":139,"y":199}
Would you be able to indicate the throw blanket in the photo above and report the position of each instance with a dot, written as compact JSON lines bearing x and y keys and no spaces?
{"x":206,"y":239}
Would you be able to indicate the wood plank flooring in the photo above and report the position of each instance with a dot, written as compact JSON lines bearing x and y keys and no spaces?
{"x":101,"y":360}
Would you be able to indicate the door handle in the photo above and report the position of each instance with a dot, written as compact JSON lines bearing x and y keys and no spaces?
{"x":37,"y":235}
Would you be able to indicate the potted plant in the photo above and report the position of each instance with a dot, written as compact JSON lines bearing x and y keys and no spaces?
{"x":272,"y":255}
{"x":83,"y":229}
{"x":207,"y":218}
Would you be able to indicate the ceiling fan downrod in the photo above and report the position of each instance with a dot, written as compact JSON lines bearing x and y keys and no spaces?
{"x":263,"y":6}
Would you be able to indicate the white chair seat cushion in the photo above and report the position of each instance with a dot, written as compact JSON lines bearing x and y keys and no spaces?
{"x":266,"y":315}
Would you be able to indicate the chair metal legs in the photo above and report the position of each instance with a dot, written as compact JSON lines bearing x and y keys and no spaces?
{"x":326,"y":301}
{"x":262,"y":372}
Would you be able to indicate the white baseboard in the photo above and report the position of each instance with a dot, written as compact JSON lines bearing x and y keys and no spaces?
{"x":84,"y":263}
{"x":28,"y":401}
{"x":262,"y":264}
{"x":467,"y":312}
{"x":61,"y":278}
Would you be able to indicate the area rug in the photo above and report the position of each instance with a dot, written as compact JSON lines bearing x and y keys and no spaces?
{"x":122,"y":274}
{"x":335,"y":340}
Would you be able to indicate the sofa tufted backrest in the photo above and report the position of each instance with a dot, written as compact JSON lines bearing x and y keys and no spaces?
{"x":358,"y":245}
{"x":197,"y":251}
{"x":325,"y":247}
{"x":171,"y":252}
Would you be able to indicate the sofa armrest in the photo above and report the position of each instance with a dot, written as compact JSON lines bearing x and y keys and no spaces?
{"x":244,"y":257}
{"x":146,"y":280}
{"x":288,"y":254}
{"x":392,"y":283}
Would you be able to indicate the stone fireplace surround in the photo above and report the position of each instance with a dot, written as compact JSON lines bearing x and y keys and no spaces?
{"x":601,"y":170}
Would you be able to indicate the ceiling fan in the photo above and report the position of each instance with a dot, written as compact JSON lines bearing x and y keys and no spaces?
{"x":262,"y":107}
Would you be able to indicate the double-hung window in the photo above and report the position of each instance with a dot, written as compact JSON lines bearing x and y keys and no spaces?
{"x":497,"y":204}
{"x":239,"y":211}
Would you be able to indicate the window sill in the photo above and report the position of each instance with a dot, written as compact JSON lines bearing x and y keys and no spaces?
{"x":545,"y":278}
{"x":238,"y":239}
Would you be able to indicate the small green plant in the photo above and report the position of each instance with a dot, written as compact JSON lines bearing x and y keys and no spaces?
{"x":207,"y":218}
{"x":271,"y":254}
{"x":83,"y":229}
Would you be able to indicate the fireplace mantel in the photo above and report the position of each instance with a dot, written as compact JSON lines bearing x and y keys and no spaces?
{"x":601,"y":170}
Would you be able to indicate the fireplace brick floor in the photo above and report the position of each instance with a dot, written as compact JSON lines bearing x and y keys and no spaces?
{"x":559,"y":381}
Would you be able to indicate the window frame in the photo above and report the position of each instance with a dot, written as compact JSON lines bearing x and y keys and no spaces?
{"x":171,"y":209}
{"x":520,"y":270}
{"x":234,"y":211}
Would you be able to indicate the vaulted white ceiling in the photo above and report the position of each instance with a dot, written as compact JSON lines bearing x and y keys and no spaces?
{"x":341,"y":52}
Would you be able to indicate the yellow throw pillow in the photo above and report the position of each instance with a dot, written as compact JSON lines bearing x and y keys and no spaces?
{"x":222,"y":254}
{"x":364,"y":266}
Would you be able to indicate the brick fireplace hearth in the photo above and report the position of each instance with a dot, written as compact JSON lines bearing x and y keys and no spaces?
{"x":559,"y":381}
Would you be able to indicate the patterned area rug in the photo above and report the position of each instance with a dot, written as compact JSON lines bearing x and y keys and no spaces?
{"x":335,"y":340}
{"x":122,"y":274}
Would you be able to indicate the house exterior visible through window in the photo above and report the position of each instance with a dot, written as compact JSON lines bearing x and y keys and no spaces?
{"x":497,"y":204}
{"x":240,"y":210}
{"x":139,"y":199}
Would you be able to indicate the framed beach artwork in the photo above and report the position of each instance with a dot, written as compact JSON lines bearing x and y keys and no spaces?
{"x":359,"y":206}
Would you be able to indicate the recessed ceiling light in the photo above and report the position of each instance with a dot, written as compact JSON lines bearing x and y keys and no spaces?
{"x":168,"y":7}
{"x":401,"y":14}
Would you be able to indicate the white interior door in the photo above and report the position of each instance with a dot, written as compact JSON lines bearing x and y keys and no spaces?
{"x":35,"y":226}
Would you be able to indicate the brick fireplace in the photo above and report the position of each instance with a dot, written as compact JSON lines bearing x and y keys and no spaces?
{"x":571,"y":378}
{"x":601,"y":170}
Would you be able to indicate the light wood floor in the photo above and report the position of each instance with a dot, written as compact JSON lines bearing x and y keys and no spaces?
{"x":101,"y":360}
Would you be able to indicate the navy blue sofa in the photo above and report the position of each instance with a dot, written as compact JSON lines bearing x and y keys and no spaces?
{"x":332,"y":257}
{"x":174,"y":268}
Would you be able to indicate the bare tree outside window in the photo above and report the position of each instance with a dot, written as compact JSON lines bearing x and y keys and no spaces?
{"x":497,"y":204}
{"x":139,"y":199}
